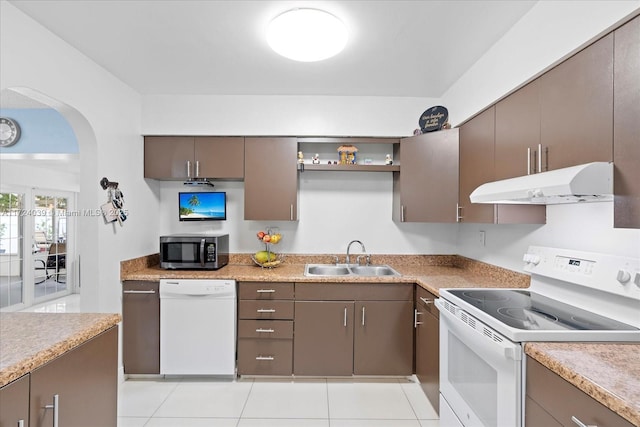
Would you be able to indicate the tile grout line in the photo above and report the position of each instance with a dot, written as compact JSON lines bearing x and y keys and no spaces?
{"x":253,"y":382}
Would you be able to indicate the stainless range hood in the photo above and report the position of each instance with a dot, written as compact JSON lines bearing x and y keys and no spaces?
{"x":591,"y":182}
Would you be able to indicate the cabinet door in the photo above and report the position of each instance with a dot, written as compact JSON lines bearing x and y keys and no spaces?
{"x":14,"y":403}
{"x":271,"y":179}
{"x":429,"y":177}
{"x":476,"y":164}
{"x":477,"y":167}
{"x":428,"y":346}
{"x":323,"y":338}
{"x":576,"y":101}
{"x":86,"y":381}
{"x":141,"y":327}
{"x":168,"y":157}
{"x":626,"y":130}
{"x":517,"y":132}
{"x":219,"y":157}
{"x":383,"y":338}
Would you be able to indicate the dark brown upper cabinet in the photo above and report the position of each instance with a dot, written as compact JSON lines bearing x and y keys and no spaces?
{"x":184,"y":157}
{"x":271,"y":179}
{"x":426,"y":189}
{"x":517,"y":132}
{"x":478,"y":151}
{"x":626,"y":126}
{"x":576,"y":108}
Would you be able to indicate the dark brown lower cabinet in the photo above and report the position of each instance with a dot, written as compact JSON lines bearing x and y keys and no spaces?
{"x":353,"y":329}
{"x":427,"y":325}
{"x":323,"y":342}
{"x":383,"y":338}
{"x":265,"y":328}
{"x":265,"y":347}
{"x":553,"y":401}
{"x":141,"y":327}
{"x":14,"y":403}
{"x":82,"y":384}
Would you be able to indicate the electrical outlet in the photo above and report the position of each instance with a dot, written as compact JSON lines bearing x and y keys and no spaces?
{"x":482,"y":238}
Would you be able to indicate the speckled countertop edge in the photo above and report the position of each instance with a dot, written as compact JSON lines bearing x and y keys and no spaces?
{"x":608,"y":372}
{"x":432,"y":272}
{"x":30,"y":340}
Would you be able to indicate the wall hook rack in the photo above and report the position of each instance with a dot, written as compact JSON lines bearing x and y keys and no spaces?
{"x":105,"y":183}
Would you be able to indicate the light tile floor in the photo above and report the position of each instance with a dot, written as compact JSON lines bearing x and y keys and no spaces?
{"x":188,"y":402}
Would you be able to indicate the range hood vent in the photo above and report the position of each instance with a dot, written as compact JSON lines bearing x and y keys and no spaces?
{"x":198,"y":182}
{"x":591,"y":182}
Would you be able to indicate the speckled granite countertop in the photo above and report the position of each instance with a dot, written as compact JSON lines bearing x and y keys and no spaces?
{"x":29,"y":340}
{"x":608,"y":372}
{"x":432,"y":272}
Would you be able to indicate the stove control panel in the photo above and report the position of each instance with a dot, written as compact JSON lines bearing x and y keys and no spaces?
{"x":608,"y":273}
{"x":574,"y":265}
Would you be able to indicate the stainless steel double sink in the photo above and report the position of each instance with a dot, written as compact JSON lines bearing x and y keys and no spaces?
{"x":329,"y":270}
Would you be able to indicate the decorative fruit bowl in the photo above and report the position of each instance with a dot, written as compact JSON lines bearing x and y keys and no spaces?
{"x":267,"y":258}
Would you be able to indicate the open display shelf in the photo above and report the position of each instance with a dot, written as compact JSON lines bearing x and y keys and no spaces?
{"x":371,"y":150}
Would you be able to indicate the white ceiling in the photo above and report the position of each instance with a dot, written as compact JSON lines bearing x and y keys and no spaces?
{"x":396,"y":48}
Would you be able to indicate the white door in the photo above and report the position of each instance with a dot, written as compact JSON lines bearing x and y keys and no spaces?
{"x":52,"y":245}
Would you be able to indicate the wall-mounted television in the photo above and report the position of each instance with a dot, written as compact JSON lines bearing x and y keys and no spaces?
{"x":202,"y":206}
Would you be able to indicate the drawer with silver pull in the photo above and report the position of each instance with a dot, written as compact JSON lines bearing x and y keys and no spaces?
{"x":265,"y":290}
{"x":266,"y":329}
{"x":267,"y":309}
{"x":265,"y":357}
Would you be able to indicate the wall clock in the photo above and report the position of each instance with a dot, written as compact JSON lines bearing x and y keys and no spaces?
{"x":9,"y":132}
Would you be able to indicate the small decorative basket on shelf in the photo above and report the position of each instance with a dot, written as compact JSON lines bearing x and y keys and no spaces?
{"x":268,"y":258}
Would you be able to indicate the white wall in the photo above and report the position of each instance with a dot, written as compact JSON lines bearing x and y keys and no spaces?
{"x":105,"y":114}
{"x":548,"y":33}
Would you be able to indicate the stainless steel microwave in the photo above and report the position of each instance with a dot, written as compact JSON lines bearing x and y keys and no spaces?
{"x":191,"y":251}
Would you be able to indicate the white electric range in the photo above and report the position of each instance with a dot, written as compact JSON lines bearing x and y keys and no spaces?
{"x":573,"y":296}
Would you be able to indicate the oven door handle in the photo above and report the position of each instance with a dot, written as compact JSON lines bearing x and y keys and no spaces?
{"x":477,"y":332}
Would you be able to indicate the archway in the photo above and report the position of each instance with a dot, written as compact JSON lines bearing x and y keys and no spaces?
{"x":88,"y":247}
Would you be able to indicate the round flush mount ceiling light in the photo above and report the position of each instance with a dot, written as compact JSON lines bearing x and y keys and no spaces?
{"x":307,"y":35}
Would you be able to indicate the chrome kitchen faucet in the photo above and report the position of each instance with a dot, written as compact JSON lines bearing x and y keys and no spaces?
{"x":364,"y":251}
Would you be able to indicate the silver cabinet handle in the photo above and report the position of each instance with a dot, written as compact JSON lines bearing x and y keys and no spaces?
{"x":580,"y":423}
{"x":266,"y":310}
{"x":426,"y":301}
{"x":345,"y":317}
{"x":267,"y":331}
{"x":265,"y":358}
{"x":265,"y":291}
{"x":151,"y":291}
{"x":401,"y":213}
{"x":56,"y":409}
{"x":415,"y":318}
{"x":362,"y":316}
{"x":528,"y":160}
{"x":188,"y":169}
{"x":197,"y":168}
{"x":458,"y":212}
{"x":291,"y":211}
{"x":539,"y":157}
{"x":20,"y":423}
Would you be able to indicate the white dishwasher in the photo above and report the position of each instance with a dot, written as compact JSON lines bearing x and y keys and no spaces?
{"x":197,"y":327}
